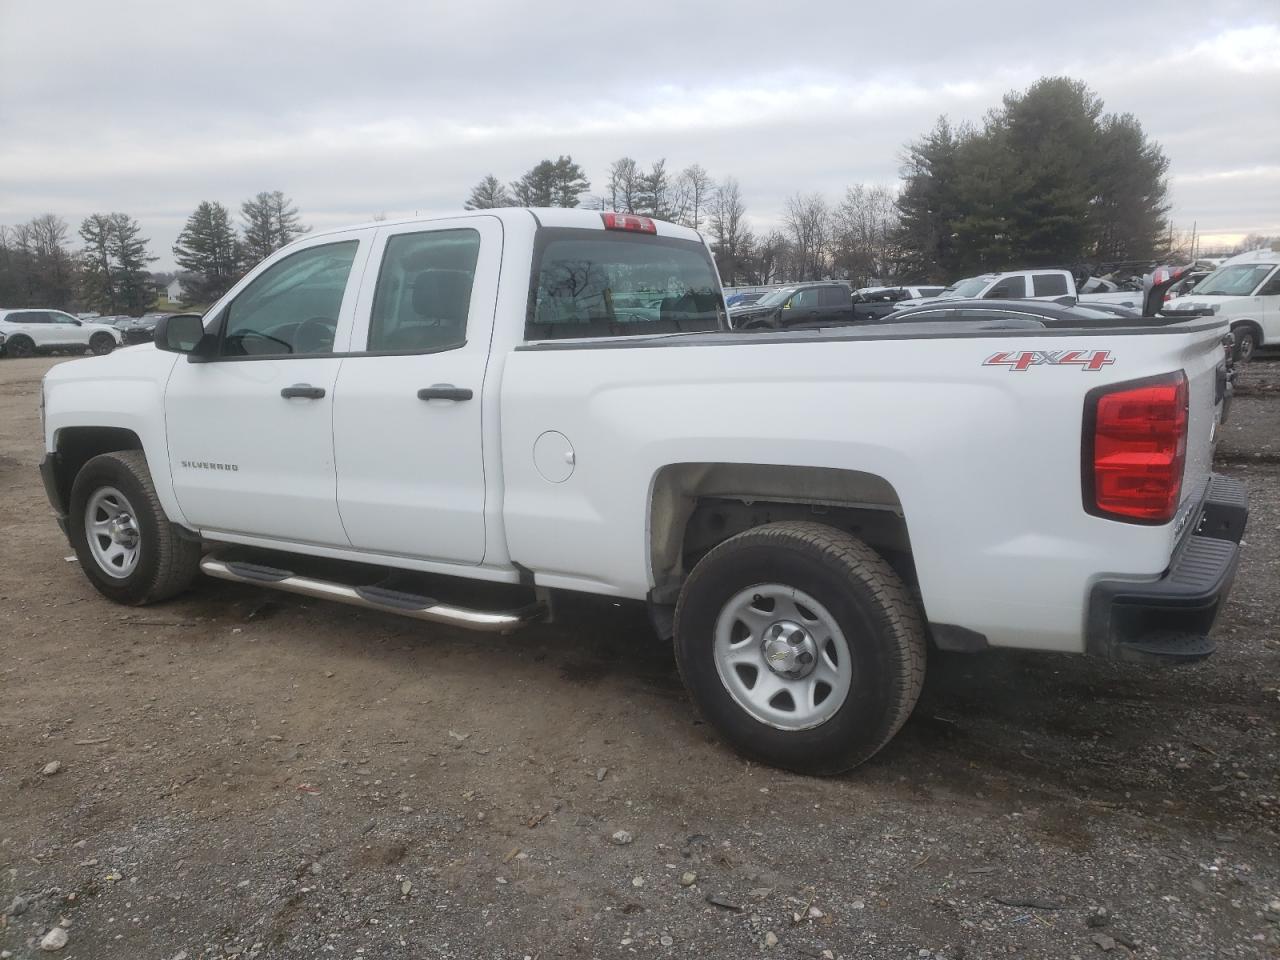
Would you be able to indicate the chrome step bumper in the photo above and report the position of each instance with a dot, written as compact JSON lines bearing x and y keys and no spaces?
{"x":374,"y":598}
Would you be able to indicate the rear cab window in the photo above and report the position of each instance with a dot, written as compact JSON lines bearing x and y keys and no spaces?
{"x":1049,"y":285}
{"x":604,"y":283}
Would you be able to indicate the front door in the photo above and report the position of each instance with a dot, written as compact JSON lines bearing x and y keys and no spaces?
{"x":408,"y":423}
{"x":250,"y":429}
{"x":67,"y":331}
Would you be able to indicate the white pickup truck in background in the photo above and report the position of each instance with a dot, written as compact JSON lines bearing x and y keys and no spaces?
{"x":1027,"y":285}
{"x":549,"y":400}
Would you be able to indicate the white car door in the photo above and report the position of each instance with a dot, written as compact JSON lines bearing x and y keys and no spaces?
{"x":250,"y":427}
{"x":1268,"y":298}
{"x":408,"y":415}
{"x":66,"y":330}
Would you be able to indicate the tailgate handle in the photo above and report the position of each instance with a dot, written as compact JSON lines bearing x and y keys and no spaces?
{"x":304,"y":390}
{"x":444,"y":391}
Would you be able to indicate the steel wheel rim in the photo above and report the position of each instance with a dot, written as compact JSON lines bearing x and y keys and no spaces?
{"x":111,"y":530}
{"x":761,"y":637}
{"x":1246,"y":346}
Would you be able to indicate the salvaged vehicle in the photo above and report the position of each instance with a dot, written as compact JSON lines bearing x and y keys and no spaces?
{"x":31,"y":331}
{"x":405,"y":416}
{"x":1244,"y":291}
{"x":796,"y":305}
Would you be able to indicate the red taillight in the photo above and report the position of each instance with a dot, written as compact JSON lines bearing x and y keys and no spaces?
{"x":1135,"y":449}
{"x":628,"y":221}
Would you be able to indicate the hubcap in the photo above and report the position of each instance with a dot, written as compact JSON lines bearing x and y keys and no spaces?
{"x":782,"y":656}
{"x":112,"y":532}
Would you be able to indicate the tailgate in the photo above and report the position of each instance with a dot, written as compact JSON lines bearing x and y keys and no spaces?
{"x":1204,"y":359}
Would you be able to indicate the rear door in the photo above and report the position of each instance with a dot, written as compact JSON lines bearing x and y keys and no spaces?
{"x":835,"y":304}
{"x":36,"y":325}
{"x":408,"y":414}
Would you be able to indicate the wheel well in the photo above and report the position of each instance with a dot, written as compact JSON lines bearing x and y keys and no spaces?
{"x":1257,"y":327}
{"x":76,"y":446}
{"x":695,"y":506}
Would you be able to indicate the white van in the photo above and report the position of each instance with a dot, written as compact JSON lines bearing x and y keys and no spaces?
{"x":1246,"y":288}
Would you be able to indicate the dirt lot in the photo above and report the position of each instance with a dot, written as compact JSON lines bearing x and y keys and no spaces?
{"x":244,"y":773}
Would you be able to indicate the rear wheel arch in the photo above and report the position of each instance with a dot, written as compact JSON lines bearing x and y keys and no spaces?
{"x":20,"y":345}
{"x":693,"y":507}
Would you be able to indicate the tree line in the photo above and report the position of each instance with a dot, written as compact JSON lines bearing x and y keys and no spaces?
{"x":1047,"y":179}
{"x":40,"y":265}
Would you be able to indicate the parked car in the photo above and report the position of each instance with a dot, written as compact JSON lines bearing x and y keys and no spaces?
{"x":800,"y":509}
{"x":1245,"y":291}
{"x":744,"y":299}
{"x":142,"y":329}
{"x":871,"y":302}
{"x":803,"y":303}
{"x":29,"y":331}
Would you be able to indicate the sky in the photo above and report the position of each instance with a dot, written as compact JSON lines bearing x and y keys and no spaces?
{"x":361,"y":109}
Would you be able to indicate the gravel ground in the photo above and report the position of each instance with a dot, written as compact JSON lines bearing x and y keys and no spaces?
{"x":249,"y":774}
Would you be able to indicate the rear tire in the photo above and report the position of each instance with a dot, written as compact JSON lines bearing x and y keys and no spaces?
{"x":125,"y":544}
{"x":20,"y":346}
{"x":101,"y":344}
{"x":1246,"y":345}
{"x":736,"y":634}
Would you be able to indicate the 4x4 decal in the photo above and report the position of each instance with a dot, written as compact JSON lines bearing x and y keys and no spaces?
{"x":1020,"y":360}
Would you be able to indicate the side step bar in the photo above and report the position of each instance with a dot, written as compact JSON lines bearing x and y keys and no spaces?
{"x":374,"y":598}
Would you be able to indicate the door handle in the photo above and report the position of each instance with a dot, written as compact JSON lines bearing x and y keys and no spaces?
{"x":304,"y":390}
{"x":444,"y":391}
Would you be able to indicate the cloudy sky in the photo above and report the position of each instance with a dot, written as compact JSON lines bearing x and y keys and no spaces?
{"x":356,"y":109}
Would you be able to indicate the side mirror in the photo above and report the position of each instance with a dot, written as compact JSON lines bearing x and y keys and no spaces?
{"x":181,"y":333}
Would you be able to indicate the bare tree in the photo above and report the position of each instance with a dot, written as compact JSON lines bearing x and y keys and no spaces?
{"x":808,"y":222}
{"x":865,"y":231}
{"x":624,"y":185}
{"x":729,"y":228}
{"x":694,"y":187}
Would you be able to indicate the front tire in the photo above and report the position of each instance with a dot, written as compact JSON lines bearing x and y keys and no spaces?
{"x":100,"y":344}
{"x":801,"y":646}
{"x":126,"y":545}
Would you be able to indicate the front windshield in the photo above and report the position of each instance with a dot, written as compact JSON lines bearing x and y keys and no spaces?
{"x":775,"y":298}
{"x":965,"y":288}
{"x":1238,"y":280}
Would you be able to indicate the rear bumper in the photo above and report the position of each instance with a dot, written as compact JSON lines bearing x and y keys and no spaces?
{"x":1170,"y":619}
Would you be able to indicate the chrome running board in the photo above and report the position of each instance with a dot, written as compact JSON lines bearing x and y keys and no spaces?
{"x":374,"y":598}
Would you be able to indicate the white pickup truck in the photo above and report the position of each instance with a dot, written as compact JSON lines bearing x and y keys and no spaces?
{"x":1043,"y":284}
{"x":378,"y":415}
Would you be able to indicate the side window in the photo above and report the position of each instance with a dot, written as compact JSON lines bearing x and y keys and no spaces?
{"x":1271,"y":287}
{"x":62,"y":318}
{"x":423,"y":294}
{"x":805,"y":299}
{"x":833,"y":297}
{"x":1049,"y":285}
{"x":292,"y":307}
{"x":30,"y":316}
{"x":1010,"y":288}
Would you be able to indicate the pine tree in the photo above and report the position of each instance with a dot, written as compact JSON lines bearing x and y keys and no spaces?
{"x":551,"y":183}
{"x":97,"y":287}
{"x":271,"y":221}
{"x":929,"y":204}
{"x":208,"y":247}
{"x":653,"y":197}
{"x":488,"y":194}
{"x":130,"y":280}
